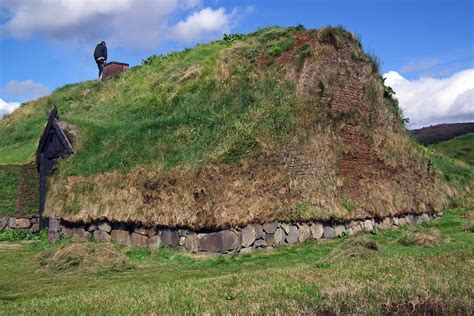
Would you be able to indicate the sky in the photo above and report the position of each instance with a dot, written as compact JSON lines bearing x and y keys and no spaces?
{"x":426,"y":46}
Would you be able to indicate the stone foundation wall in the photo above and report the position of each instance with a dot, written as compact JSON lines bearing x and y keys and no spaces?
{"x":242,"y":239}
{"x":28,"y":224}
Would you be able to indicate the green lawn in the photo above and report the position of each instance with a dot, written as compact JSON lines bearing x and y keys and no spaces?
{"x":300,"y":279}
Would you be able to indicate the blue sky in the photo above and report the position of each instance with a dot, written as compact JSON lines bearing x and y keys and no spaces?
{"x":425,"y":46}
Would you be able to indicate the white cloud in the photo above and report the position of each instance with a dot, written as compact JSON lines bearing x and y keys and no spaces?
{"x":24,"y":90}
{"x":128,"y":23}
{"x":7,"y":107}
{"x":427,"y":101}
{"x":202,"y":24}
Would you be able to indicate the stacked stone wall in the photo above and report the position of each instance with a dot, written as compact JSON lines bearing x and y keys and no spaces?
{"x":240,"y":239}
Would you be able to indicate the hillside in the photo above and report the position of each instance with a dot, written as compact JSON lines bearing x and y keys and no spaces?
{"x":461,"y":147}
{"x":283,"y":123}
{"x":434,"y":134}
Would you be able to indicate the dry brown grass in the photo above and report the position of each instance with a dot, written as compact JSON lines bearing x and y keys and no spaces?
{"x":468,"y":227}
{"x":424,"y":238}
{"x":85,"y":257}
{"x":355,"y":247}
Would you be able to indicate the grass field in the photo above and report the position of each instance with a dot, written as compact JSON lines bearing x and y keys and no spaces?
{"x":332,"y":276}
{"x":461,"y":147}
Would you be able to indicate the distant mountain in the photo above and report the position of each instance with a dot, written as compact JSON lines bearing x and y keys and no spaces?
{"x":437,"y":133}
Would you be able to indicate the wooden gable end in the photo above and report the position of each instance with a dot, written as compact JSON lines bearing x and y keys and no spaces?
{"x":53,"y":143}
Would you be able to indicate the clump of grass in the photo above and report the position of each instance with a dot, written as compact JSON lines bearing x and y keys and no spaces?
{"x":23,"y":235}
{"x":303,"y":211}
{"x":348,"y":204}
{"x":84,"y":257}
{"x":138,"y":253}
{"x":423,"y":238}
{"x":374,"y":61}
{"x":468,"y":227}
{"x":334,"y":36}
{"x":352,"y":248}
{"x":279,"y":46}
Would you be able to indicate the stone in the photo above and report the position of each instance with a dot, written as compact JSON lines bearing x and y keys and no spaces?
{"x":367,"y":225}
{"x":260,"y":243}
{"x":101,"y":236}
{"x":54,"y":230}
{"x":402,"y":221}
{"x":286,"y":227}
{"x":91,"y":228}
{"x":384,"y":224}
{"x":138,"y":240}
{"x":421,"y":219}
{"x":77,"y":232}
{"x":182,"y":239}
{"x":245,"y":251}
{"x":66,"y":231}
{"x":154,"y":242}
{"x":248,"y":235}
{"x":105,"y":227}
{"x":182,"y":232}
{"x":191,"y":243}
{"x":121,"y":237}
{"x":211,"y":242}
{"x":34,"y":220}
{"x":293,"y":234}
{"x":12,"y":222}
{"x":270,"y":227}
{"x":349,"y":231}
{"x":340,"y":229}
{"x":230,"y":240}
{"x":356,"y":228}
{"x":259,"y":234}
{"x":410,"y":219}
{"x":35,"y":228}
{"x":350,"y":224}
{"x":23,"y":223}
{"x":222,"y":241}
{"x":141,"y":231}
{"x":270,"y":239}
{"x":151,"y":232}
{"x":279,"y":236}
{"x":304,"y":233}
{"x":329,"y":232}
{"x":3,"y":222}
{"x":395,"y":221}
{"x":169,"y":237}
{"x":316,"y":230}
